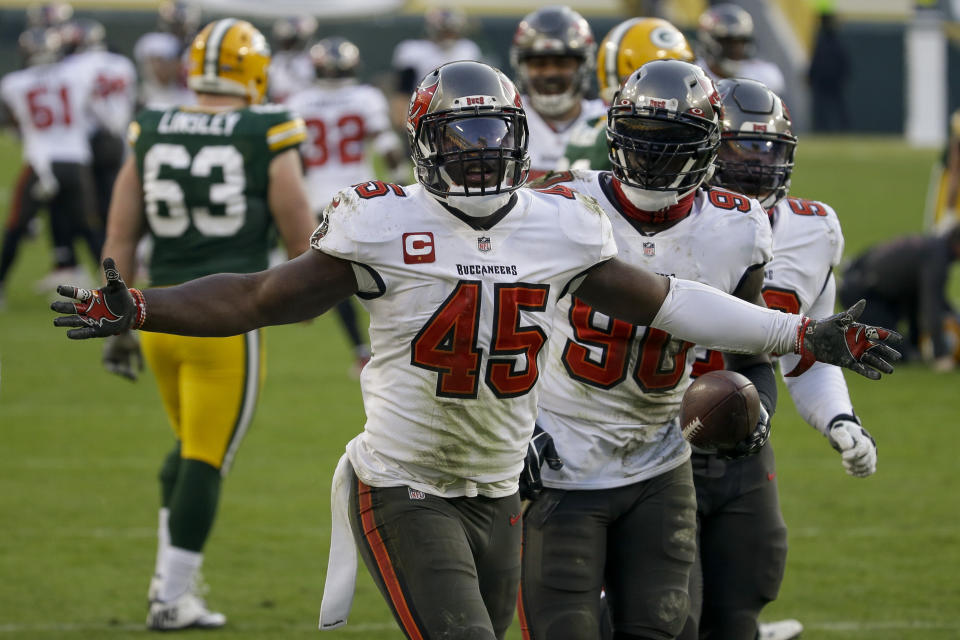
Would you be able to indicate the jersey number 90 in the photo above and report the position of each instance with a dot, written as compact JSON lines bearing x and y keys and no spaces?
{"x":229,"y":193}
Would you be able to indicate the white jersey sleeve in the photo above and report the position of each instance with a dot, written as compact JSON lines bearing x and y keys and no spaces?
{"x":611,"y":390}
{"x":808,"y":246}
{"x":457,"y":322}
{"x":115,"y":89}
{"x":763,"y":71}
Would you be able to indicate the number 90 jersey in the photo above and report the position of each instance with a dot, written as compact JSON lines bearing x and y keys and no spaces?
{"x":611,"y":390}
{"x":458,"y":317}
{"x":205,"y":176}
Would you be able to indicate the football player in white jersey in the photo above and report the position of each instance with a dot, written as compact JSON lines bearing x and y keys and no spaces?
{"x":291,"y":69}
{"x":725,"y":39}
{"x":459,"y":273}
{"x":114,"y":99}
{"x":344,"y":118}
{"x":554,"y":55}
{"x":416,"y":57}
{"x":160,"y":56}
{"x":756,"y":158}
{"x":50,"y":102}
{"x":621,"y":512}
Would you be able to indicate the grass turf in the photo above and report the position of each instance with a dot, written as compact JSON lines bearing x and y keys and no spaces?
{"x":874,"y":558}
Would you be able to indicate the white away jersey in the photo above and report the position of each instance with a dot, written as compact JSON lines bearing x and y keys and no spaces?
{"x":762,"y":71}
{"x":457,"y":319}
{"x":807,"y":246}
{"x":340,"y":120}
{"x":423,"y":56}
{"x":52,"y":106}
{"x":114,"y":91}
{"x":546,"y":144}
{"x":611,"y":391}
{"x":289,"y":73}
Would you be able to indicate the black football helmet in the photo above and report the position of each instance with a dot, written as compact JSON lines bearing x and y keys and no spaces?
{"x":444,"y":24}
{"x":292,"y":33}
{"x":39,"y":45}
{"x":335,"y":58}
{"x":83,"y":34}
{"x":468,"y":131}
{"x":554,"y":31}
{"x":48,"y":14}
{"x":725,"y":35}
{"x":757,"y":148}
{"x":663,"y":128}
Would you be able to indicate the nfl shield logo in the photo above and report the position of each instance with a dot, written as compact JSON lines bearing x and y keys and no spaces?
{"x":483,"y":243}
{"x":649,"y":249}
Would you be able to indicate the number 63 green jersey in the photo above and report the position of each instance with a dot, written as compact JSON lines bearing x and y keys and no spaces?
{"x":205,"y":176}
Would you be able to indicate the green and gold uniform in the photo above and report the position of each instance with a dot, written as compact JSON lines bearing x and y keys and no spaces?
{"x":942,"y":209}
{"x":205,"y":178}
{"x":587,"y":148}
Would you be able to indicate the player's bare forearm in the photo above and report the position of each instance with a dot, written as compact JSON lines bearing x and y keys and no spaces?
{"x":230,"y":304}
{"x":622,"y":291}
{"x":125,"y":220}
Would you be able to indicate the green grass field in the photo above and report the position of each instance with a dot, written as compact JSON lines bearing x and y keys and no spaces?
{"x":875,"y":558}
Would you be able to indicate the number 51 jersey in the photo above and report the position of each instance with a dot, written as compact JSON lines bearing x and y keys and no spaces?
{"x":205,"y":176}
{"x":458,"y":317}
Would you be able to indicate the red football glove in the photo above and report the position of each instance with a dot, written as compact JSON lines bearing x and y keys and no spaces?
{"x":841,"y":340}
{"x":102,"y":312}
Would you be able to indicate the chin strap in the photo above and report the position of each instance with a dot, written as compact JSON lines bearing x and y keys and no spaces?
{"x":672,"y":213}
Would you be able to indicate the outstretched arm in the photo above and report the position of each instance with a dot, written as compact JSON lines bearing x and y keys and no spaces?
{"x":709,"y":317}
{"x":218,"y":305}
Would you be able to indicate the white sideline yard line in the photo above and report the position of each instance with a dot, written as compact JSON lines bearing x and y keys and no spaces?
{"x":81,"y":627}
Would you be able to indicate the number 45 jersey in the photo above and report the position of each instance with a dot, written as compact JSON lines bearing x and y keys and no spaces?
{"x":611,"y":390}
{"x":458,"y":318}
{"x":205,"y":175}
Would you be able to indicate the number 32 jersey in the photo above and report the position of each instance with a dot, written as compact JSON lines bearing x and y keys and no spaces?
{"x":205,"y":176}
{"x":611,"y":390}
{"x":458,"y":318}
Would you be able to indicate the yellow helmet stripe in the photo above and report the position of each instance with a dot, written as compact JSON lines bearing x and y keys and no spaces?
{"x":211,"y":55}
{"x":612,"y":46}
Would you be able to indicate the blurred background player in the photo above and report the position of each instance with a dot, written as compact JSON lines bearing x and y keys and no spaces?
{"x":942,"y":198}
{"x":905,"y":282}
{"x":726,"y":46}
{"x":207,"y":183}
{"x":48,"y":14}
{"x":114,"y":98}
{"x":553,"y":57}
{"x":627,"y":47}
{"x":738,"y":499}
{"x":621,"y":513}
{"x":413,"y":59}
{"x":160,"y":56}
{"x":344,"y":118}
{"x":51,"y":103}
{"x":291,"y":69}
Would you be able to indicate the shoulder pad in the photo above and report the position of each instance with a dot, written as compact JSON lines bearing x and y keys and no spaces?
{"x":366,"y":212}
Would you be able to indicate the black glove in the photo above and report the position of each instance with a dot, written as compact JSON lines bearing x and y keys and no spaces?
{"x":752,"y":443}
{"x":121,"y":355}
{"x":841,"y":340}
{"x":102,"y":312}
{"x":540,"y":449}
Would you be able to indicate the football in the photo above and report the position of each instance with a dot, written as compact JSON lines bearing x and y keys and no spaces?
{"x":719,"y":409}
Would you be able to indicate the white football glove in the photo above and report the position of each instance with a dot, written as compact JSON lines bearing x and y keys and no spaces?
{"x":857,"y":448}
{"x":45,"y":188}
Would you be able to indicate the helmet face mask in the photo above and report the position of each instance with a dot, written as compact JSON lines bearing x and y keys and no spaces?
{"x":756,"y":155}
{"x":553,"y":55}
{"x":468,"y":132}
{"x":663,"y":129}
